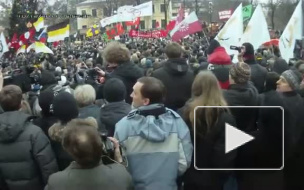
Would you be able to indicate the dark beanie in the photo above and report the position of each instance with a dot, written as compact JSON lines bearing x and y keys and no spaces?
{"x":293,"y":78}
{"x":46,"y":99}
{"x":249,"y":49}
{"x":213,"y":45}
{"x":65,"y":107}
{"x":114,"y":90}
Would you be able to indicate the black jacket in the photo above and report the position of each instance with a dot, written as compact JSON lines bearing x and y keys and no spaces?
{"x":45,"y":122}
{"x":112,"y":113}
{"x":243,"y":95}
{"x":210,"y":153}
{"x":258,"y":75}
{"x":26,"y":156}
{"x":129,"y":74}
{"x":177,"y":78}
{"x":91,"y":111}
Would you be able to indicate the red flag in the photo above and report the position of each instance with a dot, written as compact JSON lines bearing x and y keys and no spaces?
{"x":55,"y":44}
{"x":134,"y":22}
{"x":190,"y":25}
{"x":109,"y":34}
{"x":120,"y":29}
{"x":28,"y":36}
{"x":15,"y":42}
{"x":181,"y":15}
{"x":157,"y":25}
{"x":171,"y":25}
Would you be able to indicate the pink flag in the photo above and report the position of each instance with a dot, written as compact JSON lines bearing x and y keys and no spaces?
{"x":189,"y":25}
{"x":181,"y":15}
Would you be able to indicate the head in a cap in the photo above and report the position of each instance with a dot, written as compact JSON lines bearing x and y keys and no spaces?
{"x":114,"y":90}
{"x":45,"y":102}
{"x":213,"y":45}
{"x":289,"y":81}
{"x":65,"y":107}
{"x":239,"y":73}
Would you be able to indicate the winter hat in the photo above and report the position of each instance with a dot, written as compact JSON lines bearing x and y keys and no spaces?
{"x":280,"y":66}
{"x":114,"y":90}
{"x":58,"y":69}
{"x":240,"y":72}
{"x":149,"y":63}
{"x":65,"y":107}
{"x":293,"y":78}
{"x":45,"y":101}
{"x":213,"y":45}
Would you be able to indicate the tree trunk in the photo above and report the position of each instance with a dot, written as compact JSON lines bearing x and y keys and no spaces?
{"x":272,"y":17}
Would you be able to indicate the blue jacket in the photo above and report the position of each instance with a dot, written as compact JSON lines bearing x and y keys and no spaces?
{"x":158,"y":150}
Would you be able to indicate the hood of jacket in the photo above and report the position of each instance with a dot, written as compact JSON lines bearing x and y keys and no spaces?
{"x":154,"y":129}
{"x":111,"y":113}
{"x":129,"y":71}
{"x":176,"y":66}
{"x":12,"y":124}
{"x":219,"y":57}
{"x":280,"y":65}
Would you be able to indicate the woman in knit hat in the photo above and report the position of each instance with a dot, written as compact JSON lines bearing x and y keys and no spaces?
{"x":290,"y":80}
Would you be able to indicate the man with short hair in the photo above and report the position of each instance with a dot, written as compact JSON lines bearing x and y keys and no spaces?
{"x":26,"y":156}
{"x":82,"y":141}
{"x":177,"y":77}
{"x":156,"y":140}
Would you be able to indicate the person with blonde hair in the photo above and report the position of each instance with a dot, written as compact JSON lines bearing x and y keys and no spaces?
{"x":209,"y":124}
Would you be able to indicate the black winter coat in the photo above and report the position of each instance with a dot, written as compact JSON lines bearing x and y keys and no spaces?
{"x":26,"y":156}
{"x":45,"y":122}
{"x":112,"y":113}
{"x":258,"y":75}
{"x":129,"y":73}
{"x":91,"y":111}
{"x":210,"y":153}
{"x":177,"y":78}
{"x":243,"y":95}
{"x":265,"y":151}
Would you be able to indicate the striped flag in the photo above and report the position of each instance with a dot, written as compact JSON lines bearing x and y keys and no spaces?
{"x":39,"y":48}
{"x":22,"y":49}
{"x":59,"y":31}
{"x":39,"y":24}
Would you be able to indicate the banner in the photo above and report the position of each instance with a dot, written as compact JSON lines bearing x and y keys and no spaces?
{"x":148,"y":34}
{"x":226,"y":14}
{"x":292,"y":32}
{"x":247,"y":12}
{"x":257,"y":25}
{"x":129,"y":13}
{"x":109,"y":20}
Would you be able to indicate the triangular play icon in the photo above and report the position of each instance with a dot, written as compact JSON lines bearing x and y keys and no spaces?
{"x":235,"y":138}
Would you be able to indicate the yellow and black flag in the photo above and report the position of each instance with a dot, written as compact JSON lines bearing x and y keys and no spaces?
{"x":59,"y":31}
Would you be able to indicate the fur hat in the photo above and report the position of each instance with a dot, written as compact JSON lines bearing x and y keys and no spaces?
{"x":114,"y":90}
{"x":293,"y":78}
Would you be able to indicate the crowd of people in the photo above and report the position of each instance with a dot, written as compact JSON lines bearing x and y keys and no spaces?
{"x":122,"y":115}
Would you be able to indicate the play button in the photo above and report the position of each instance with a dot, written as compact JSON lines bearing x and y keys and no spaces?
{"x":235,"y":138}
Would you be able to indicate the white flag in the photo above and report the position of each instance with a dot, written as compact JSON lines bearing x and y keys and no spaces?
{"x":109,"y":20}
{"x":131,"y":13}
{"x":256,"y":31}
{"x":292,"y":32}
{"x":3,"y":45}
{"x":231,"y":33}
{"x":121,"y":13}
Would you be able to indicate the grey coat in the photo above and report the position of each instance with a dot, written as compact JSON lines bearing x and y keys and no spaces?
{"x":26,"y":156}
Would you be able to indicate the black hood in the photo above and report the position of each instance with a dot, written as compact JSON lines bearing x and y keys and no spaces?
{"x":111,"y":113}
{"x":246,"y":93}
{"x":280,"y":65}
{"x":177,"y":66}
{"x":12,"y":125}
{"x":128,"y":70}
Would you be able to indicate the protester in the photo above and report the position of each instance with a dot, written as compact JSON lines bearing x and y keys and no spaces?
{"x":279,"y":66}
{"x":210,"y":128}
{"x":118,"y":58}
{"x":65,"y":109}
{"x":258,"y":72}
{"x":270,"y":85}
{"x":82,"y":141}
{"x":176,"y":76}
{"x":153,"y":125}
{"x":85,"y":96}
{"x":26,"y":156}
{"x":115,"y":108}
{"x":241,"y":92}
{"x":219,"y":63}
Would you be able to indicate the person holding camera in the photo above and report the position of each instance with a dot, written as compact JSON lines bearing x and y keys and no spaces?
{"x":83,"y":142}
{"x":155,"y":139}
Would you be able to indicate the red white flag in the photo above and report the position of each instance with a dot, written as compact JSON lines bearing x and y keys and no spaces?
{"x":181,"y":15}
{"x":171,"y":25}
{"x":189,"y":25}
{"x":134,"y":22}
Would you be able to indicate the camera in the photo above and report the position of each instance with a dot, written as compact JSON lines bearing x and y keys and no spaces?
{"x":239,"y":49}
{"x":108,"y":148}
